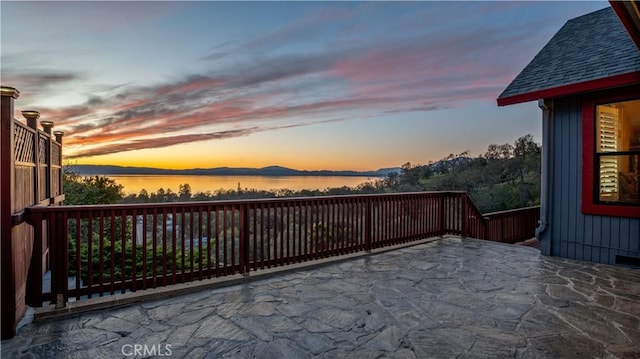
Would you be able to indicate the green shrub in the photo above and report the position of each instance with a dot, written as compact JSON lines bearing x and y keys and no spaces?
{"x":104,"y":273}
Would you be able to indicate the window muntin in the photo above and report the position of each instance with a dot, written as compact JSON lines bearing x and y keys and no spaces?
{"x":617,"y":153}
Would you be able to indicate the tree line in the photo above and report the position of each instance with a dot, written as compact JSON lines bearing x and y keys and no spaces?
{"x":504,"y":177}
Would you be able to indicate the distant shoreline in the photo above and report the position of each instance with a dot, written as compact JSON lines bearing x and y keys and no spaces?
{"x":271,"y":171}
{"x":133,"y":184}
{"x":226,"y":175}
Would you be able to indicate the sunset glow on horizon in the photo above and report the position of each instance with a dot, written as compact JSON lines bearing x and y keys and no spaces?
{"x":305,"y":85}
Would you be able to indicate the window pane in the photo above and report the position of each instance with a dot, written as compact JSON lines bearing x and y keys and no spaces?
{"x":608,"y":128}
{"x":617,"y":151}
{"x":619,"y":178}
{"x":618,"y":127}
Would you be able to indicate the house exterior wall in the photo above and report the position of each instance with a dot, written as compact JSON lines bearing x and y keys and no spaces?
{"x":570,"y":233}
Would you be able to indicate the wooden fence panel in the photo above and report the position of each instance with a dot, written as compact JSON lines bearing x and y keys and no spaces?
{"x":29,"y":176}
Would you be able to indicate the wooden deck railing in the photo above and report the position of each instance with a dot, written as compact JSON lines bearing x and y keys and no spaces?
{"x":512,"y":226}
{"x":101,"y":250}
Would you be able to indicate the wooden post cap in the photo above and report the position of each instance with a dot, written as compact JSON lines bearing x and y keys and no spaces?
{"x":9,"y":92}
{"x":47,"y":126}
{"x":58,"y":135}
{"x":30,"y":114}
{"x":32,"y":118}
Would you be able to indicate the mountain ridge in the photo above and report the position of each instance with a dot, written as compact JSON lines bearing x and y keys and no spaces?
{"x":93,"y":170}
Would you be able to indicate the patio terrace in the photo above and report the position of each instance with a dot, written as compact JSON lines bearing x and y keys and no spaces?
{"x":447,"y":298}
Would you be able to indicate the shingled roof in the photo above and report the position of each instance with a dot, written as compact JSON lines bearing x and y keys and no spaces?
{"x":587,"y":49}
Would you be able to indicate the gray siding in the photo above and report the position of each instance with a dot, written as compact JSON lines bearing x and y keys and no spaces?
{"x":571,"y":233}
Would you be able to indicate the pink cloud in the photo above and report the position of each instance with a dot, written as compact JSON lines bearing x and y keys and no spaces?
{"x":404,"y":72}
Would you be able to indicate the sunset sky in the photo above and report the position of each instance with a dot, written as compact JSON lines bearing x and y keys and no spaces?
{"x":307,"y":85}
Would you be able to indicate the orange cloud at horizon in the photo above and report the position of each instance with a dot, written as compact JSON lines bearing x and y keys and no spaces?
{"x":183,"y":164}
{"x":213,"y":154}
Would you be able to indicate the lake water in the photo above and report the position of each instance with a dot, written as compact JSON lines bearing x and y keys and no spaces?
{"x":134,"y":183}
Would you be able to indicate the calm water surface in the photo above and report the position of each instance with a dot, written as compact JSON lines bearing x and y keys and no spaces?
{"x":134,"y":183}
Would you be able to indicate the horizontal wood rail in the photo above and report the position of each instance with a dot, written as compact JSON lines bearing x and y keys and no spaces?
{"x":106,"y":249}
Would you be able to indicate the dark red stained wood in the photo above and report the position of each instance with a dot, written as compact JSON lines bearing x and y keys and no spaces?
{"x":174,"y":244}
{"x":291,"y":239}
{"x":154,"y":247}
{"x":34,"y":280}
{"x":297,"y":235}
{"x":346,"y":220}
{"x":78,"y":264}
{"x":232,"y":241}
{"x":217,"y":217}
{"x":209,"y":239}
{"x":285,"y":233}
{"x":60,"y":254}
{"x":123,"y":239}
{"x":262,"y":235}
{"x":244,"y":239}
{"x":191,"y":245}
{"x":280,"y":233}
{"x":269,"y":224}
{"x":224,"y":240}
{"x":182,"y":241}
{"x":101,"y":251}
{"x":333,"y":206}
{"x":307,"y":213}
{"x":200,"y":240}
{"x":6,"y":192}
{"x":134,"y":241}
{"x":254,"y":212}
{"x":574,"y":89}
{"x":327,"y":215}
{"x":112,"y":214}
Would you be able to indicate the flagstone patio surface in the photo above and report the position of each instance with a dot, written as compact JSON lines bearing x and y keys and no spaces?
{"x":452,"y":298}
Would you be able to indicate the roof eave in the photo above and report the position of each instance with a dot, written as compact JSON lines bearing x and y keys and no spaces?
{"x":573,"y":89}
{"x":629,"y":14}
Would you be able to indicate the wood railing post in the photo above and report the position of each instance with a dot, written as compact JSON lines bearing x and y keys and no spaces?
{"x":32,"y":121}
{"x":441,"y":210}
{"x":367,"y":225}
{"x":38,"y":251}
{"x":244,"y":240}
{"x":485,"y":226}
{"x":34,"y":278}
{"x":60,"y":260}
{"x":48,"y":126}
{"x":7,"y":162}
{"x":58,"y":136}
{"x":463,"y":213}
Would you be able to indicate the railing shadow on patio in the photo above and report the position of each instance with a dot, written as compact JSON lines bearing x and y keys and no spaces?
{"x":108,"y":249}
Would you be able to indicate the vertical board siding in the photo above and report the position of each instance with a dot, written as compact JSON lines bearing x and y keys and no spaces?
{"x":574,"y":251}
{"x":573,"y":234}
{"x":634,"y":232}
{"x":557,"y":184}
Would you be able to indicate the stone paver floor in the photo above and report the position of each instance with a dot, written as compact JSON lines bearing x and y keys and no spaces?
{"x":452,"y":298}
